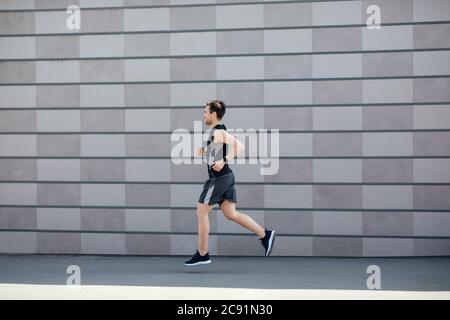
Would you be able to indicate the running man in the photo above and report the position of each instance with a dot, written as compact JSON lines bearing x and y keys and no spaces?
{"x":219,"y":188}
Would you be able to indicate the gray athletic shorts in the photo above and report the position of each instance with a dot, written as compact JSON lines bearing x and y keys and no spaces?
{"x":216,"y":190}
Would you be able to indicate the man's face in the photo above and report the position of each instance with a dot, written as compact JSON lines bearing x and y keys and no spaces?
{"x":207,"y":116}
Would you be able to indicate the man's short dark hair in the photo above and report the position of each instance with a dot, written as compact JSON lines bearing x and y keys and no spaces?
{"x":217,"y":106}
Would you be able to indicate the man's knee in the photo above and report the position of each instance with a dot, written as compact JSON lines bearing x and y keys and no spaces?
{"x":202,"y":210}
{"x":230,"y":214}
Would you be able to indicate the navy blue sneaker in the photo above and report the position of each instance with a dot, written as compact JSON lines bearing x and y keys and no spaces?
{"x":197,"y":259}
{"x":267,"y":242}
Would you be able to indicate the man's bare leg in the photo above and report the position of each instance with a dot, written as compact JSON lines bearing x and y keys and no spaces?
{"x":203,"y":211}
{"x":230,"y":212}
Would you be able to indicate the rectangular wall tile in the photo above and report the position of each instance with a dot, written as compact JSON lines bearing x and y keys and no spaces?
{"x":59,"y":218}
{"x":143,"y":145}
{"x":147,"y":170}
{"x":431,"y":143}
{"x":432,"y":63}
{"x":148,"y":244}
{"x":18,"y":96}
{"x":289,"y":222}
{"x":188,"y":94}
{"x":102,"y":70}
{"x":54,"y":145}
{"x":147,"y":220}
{"x":431,"y":170}
{"x":240,"y":68}
{"x":102,"y":145}
{"x":387,"y":247}
{"x":102,"y":46}
{"x":388,"y":37}
{"x":57,"y":47}
{"x":18,"y":242}
{"x":432,"y":90}
{"x":387,"y":144}
{"x":287,"y":14}
{"x":337,"y":118}
{"x":103,"y":243}
{"x":329,"y":222}
{"x":337,"y":247}
{"x":193,"y":69}
{"x":324,"y":13}
{"x":17,"y":72}
{"x":431,"y":224}
{"x":287,"y":67}
{"x":246,"y":93}
{"x":103,"y":219}
{"x":387,"y":197}
{"x":102,"y":95}
{"x":337,"y":39}
{"x":337,"y":144}
{"x":190,"y":43}
{"x":431,"y":10}
{"x":18,"y":193}
{"x":239,"y":246}
{"x":58,"y":120}
{"x":58,"y":243}
{"x":102,"y":194}
{"x":279,"y":196}
{"x":431,"y":36}
{"x":292,"y":170}
{"x":58,"y":169}
{"x":388,"y":170}
{"x":431,"y":247}
{"x":18,"y":169}
{"x":288,"y":92}
{"x":147,"y":44}
{"x":232,"y":42}
{"x":277,"y":41}
{"x":17,"y":121}
{"x":337,"y":196}
{"x":104,"y":21}
{"x":58,"y":194}
{"x":203,"y":17}
{"x":389,"y":117}
{"x":57,"y":71}
{"x":103,"y":120}
{"x":18,"y":218}
{"x":387,"y":91}
{"x":342,"y":91}
{"x":17,"y":145}
{"x":387,"y":64}
{"x":388,"y":223}
{"x":337,"y":170}
{"x":147,"y":195}
{"x":432,"y":117}
{"x":146,"y":19}
{"x":102,"y":170}
{"x":293,"y":246}
{"x":432,"y":197}
{"x":243,"y":16}
{"x":288,"y":118}
{"x":147,"y":70}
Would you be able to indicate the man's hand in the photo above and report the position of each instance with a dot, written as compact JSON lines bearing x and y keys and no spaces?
{"x":218,"y":165}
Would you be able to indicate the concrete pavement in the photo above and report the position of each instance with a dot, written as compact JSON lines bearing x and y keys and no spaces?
{"x":145,"y":277}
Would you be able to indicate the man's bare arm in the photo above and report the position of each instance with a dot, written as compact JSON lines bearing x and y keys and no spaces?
{"x":236,"y":146}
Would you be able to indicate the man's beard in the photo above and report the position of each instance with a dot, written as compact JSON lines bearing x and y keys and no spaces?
{"x":207,"y":122}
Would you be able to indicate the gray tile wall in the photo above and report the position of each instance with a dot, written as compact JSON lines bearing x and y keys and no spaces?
{"x":86,"y":118}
